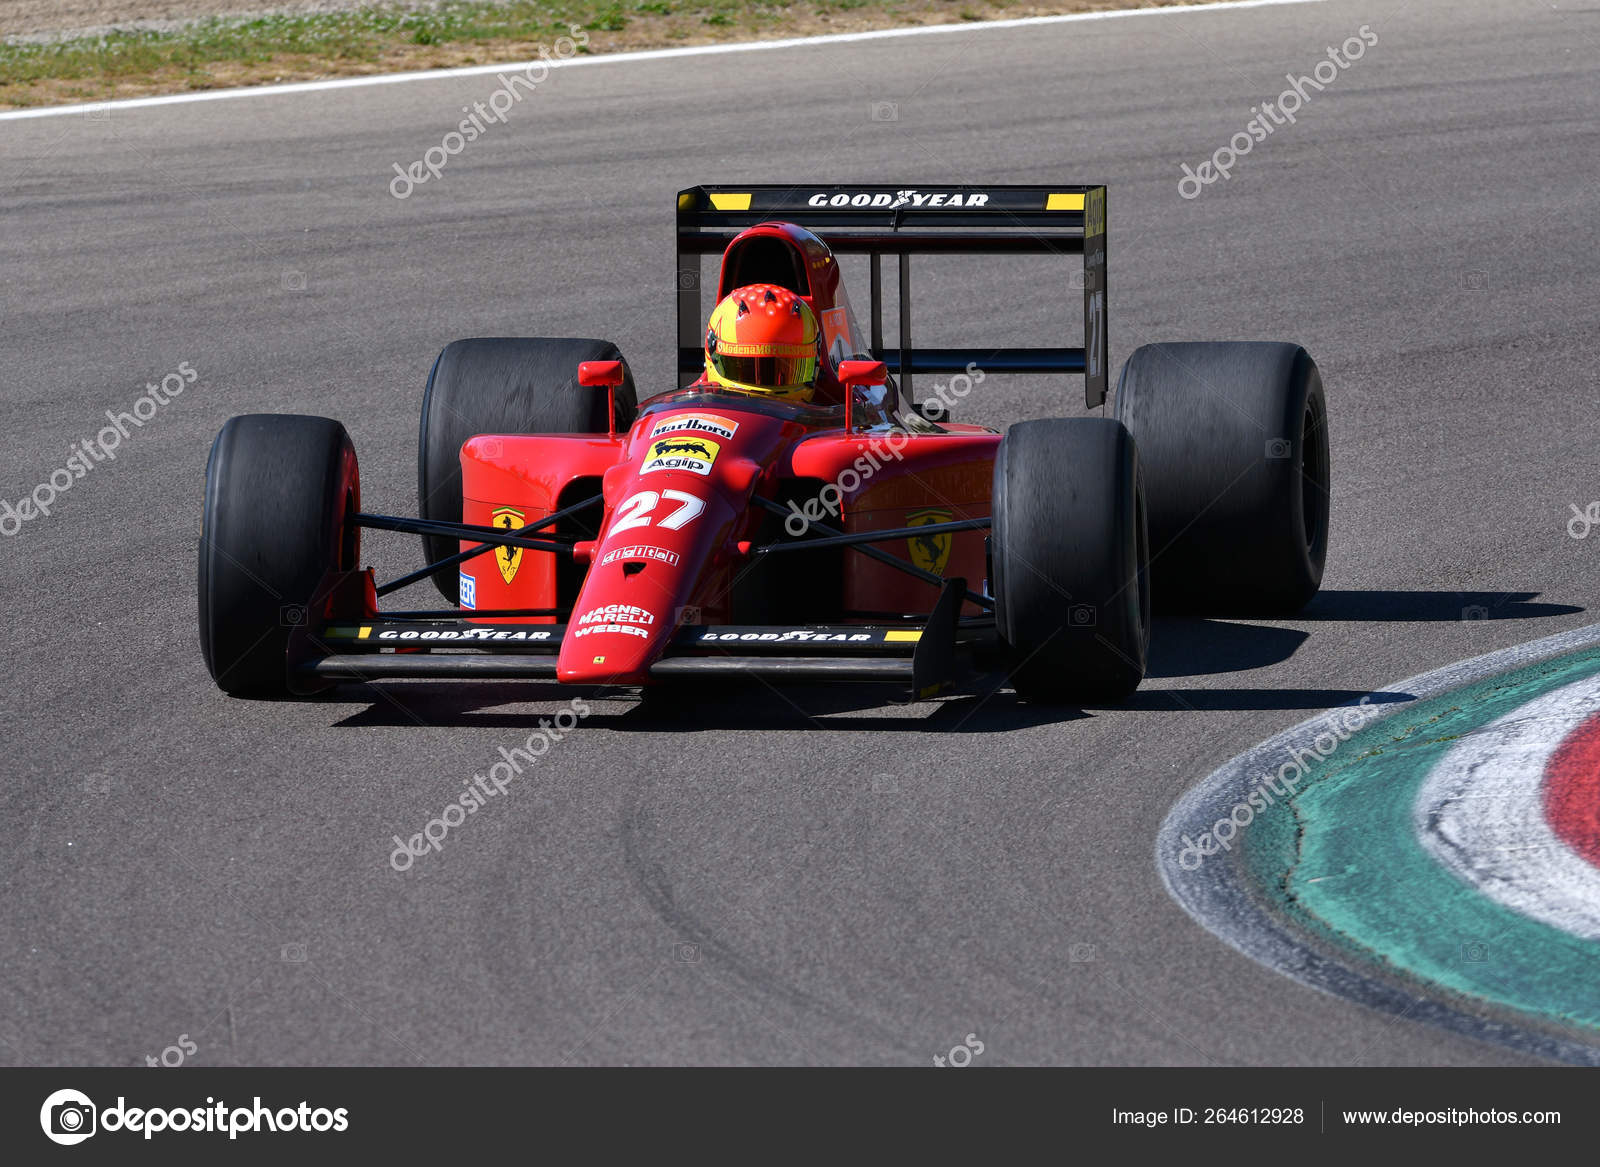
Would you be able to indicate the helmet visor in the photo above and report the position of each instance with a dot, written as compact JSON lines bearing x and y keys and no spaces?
{"x":768,"y":372}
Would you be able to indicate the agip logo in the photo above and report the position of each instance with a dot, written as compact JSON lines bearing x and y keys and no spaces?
{"x":1094,"y":212}
{"x":686,"y":451}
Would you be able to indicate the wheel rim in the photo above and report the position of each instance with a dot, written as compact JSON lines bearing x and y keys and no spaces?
{"x":1142,"y":563}
{"x":349,"y":534}
{"x":1313,"y":474}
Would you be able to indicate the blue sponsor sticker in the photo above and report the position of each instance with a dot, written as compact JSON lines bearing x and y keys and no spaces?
{"x":469,"y":591}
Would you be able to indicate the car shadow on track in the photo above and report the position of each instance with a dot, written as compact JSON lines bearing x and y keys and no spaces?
{"x":986,"y":709}
{"x":1192,"y":648}
{"x":1380,"y":604}
{"x":1249,"y":700}
{"x":981,"y":707}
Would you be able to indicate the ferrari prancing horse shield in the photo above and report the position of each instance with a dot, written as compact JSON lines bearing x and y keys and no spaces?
{"x":930,"y":552}
{"x":508,"y":559}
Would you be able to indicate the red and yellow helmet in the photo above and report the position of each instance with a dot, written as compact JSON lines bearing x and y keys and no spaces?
{"x":763,"y":339}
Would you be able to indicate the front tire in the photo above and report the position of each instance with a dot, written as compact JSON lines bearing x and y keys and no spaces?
{"x":502,"y":385}
{"x":280,"y":490}
{"x":1069,"y":551}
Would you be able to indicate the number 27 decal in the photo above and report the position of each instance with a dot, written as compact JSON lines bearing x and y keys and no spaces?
{"x":636,"y":511}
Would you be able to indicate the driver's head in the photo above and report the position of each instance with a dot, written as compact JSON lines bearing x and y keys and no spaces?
{"x":763,"y":339}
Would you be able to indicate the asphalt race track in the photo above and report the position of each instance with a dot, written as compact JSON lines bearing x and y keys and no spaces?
{"x":819,"y":876}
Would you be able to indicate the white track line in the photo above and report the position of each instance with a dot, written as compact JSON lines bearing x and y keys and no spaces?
{"x":1480,"y":813}
{"x":619,"y":58}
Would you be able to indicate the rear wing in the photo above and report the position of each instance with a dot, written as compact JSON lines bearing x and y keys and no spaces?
{"x":889,"y":220}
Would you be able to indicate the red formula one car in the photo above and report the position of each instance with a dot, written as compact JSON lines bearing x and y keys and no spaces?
{"x":855,"y":534}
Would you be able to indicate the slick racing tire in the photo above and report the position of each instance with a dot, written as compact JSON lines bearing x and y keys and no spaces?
{"x":502,"y":385}
{"x":1069,"y":555}
{"x":280,"y":490}
{"x":1234,"y":441}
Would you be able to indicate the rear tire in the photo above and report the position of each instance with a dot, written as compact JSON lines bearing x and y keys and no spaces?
{"x":1069,"y":552}
{"x":502,"y":385}
{"x":1234,"y":437}
{"x":280,"y":489}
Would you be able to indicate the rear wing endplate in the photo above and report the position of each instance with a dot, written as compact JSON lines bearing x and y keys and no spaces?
{"x":890,"y":220}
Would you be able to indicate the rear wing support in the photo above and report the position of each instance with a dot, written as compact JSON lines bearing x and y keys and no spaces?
{"x":887,"y":220}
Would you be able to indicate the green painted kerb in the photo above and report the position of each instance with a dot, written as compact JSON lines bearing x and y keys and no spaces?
{"x":1341,"y":859}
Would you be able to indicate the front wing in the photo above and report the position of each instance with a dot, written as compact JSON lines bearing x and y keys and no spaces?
{"x":923,"y":657}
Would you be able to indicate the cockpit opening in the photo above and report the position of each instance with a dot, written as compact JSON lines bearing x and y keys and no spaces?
{"x":765,"y":259}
